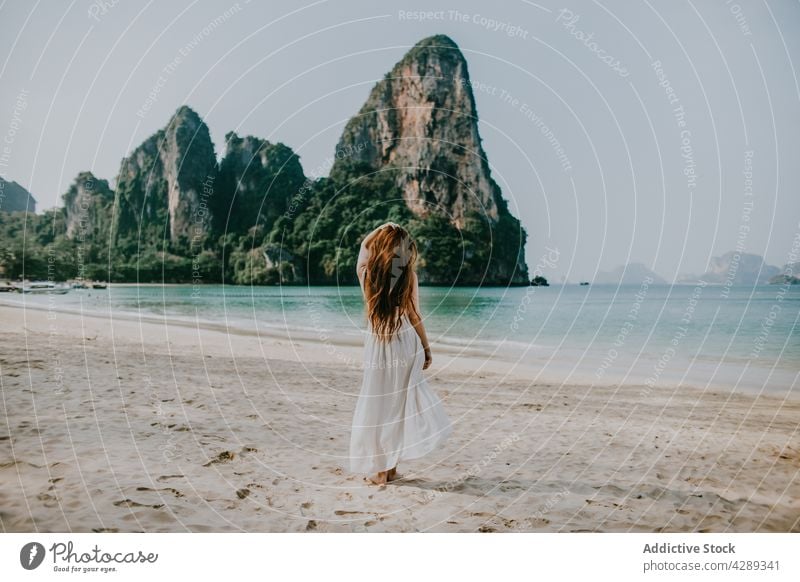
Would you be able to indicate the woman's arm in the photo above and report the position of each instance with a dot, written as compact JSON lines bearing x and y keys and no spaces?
{"x":371,"y":235}
{"x":361,"y":262}
{"x":415,"y":317}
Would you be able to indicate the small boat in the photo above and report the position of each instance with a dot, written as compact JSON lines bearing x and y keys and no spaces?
{"x":79,"y":284}
{"x":99,"y":285}
{"x":39,"y":287}
{"x":6,"y":287}
{"x":583,"y":283}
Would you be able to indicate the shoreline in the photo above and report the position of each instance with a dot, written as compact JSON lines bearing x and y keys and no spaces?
{"x":487,"y":358}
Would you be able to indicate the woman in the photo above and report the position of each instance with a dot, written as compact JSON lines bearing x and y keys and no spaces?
{"x":397,"y":416}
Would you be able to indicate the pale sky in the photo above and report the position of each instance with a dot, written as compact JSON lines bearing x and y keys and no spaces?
{"x":643,"y":175}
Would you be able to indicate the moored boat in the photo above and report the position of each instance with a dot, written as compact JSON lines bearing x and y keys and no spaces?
{"x":39,"y":287}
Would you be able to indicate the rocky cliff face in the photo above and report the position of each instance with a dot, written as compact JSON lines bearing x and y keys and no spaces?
{"x":87,"y":208}
{"x":421,"y":119}
{"x":15,"y":198}
{"x":177,"y":215}
{"x":165,"y":184}
{"x":256,"y":178}
{"x":421,"y":123}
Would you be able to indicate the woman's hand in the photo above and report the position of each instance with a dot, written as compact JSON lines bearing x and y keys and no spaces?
{"x":428,"y":359}
{"x":374,"y":233}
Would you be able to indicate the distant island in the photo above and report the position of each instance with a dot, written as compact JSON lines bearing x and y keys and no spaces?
{"x":732,"y":268}
{"x":789,"y":275}
{"x":631,"y":274}
{"x":412,"y":155}
{"x":736,"y":269}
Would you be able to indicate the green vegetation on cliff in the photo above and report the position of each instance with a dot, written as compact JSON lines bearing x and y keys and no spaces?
{"x":177,"y":215}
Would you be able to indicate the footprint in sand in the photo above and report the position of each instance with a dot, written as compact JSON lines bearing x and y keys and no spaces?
{"x":175,"y":492}
{"x":345,"y":512}
{"x":131,"y":503}
{"x":48,"y":500}
{"x":163,"y":478}
{"x":223,"y":457}
{"x":787,"y":453}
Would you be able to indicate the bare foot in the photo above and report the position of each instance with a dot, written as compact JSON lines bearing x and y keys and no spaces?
{"x":379,"y":479}
{"x":391,"y":474}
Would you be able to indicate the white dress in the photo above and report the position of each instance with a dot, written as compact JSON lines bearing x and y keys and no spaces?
{"x":397,"y":416}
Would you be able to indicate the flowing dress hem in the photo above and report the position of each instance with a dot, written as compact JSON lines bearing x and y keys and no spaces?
{"x":435,"y":443}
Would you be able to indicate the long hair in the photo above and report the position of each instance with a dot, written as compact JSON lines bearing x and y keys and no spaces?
{"x":388,"y":282}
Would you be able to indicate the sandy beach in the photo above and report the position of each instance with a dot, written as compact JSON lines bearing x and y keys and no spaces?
{"x":114,"y":424}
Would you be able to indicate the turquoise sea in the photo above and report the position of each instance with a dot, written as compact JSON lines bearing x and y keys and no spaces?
{"x":743,"y":338}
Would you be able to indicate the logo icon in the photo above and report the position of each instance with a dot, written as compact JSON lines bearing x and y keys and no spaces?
{"x":31,"y":555}
{"x":402,"y":256}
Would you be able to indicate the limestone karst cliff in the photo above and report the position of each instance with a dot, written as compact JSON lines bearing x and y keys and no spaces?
{"x":163,"y":183}
{"x":421,"y":122}
{"x":88,"y":208}
{"x":256,"y":178}
{"x":15,"y":198}
{"x":412,"y":155}
{"x":421,"y":118}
